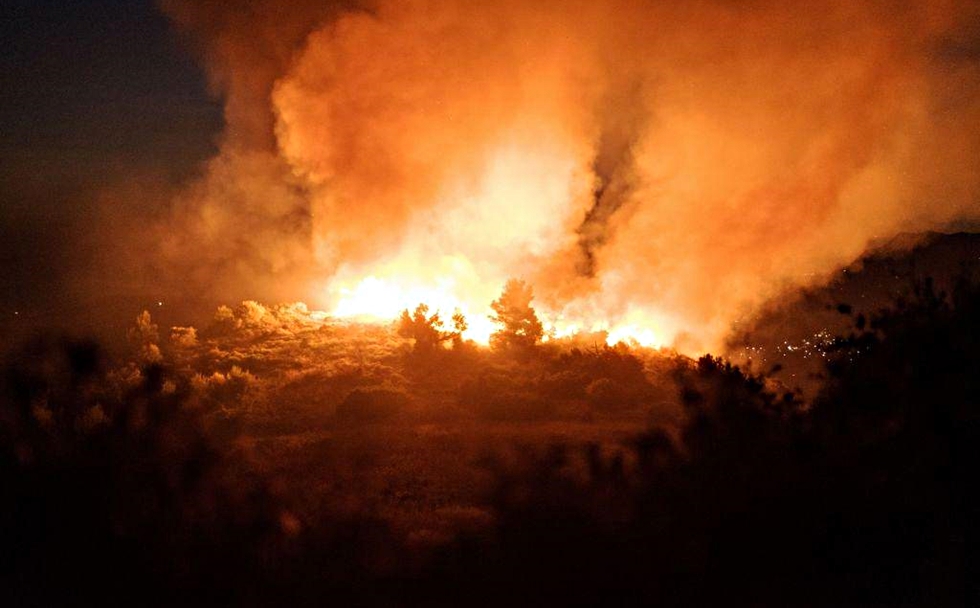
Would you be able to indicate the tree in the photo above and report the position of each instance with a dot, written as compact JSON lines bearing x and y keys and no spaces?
{"x":424,"y":329}
{"x":459,"y":326}
{"x":144,"y":336}
{"x":521,"y":326}
{"x":429,"y":331}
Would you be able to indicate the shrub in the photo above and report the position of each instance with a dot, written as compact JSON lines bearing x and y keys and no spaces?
{"x":365,"y":405}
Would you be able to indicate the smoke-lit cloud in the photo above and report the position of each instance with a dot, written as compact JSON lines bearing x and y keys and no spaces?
{"x":663,"y":165}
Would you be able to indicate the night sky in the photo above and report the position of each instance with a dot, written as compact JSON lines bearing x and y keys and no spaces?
{"x":90,"y":91}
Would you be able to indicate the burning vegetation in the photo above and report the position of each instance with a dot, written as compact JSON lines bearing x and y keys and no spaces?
{"x":585,"y":324}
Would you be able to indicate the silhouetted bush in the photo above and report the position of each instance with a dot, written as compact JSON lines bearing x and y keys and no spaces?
{"x":606,"y":394}
{"x":608,"y":377}
{"x":498,"y":395}
{"x":112,"y":487}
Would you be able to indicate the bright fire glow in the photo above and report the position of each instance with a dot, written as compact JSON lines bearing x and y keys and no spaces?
{"x":516,"y":207}
{"x":631,"y":333}
{"x":375,"y":299}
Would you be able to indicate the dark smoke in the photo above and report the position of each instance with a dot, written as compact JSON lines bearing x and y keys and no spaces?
{"x":622,"y":117}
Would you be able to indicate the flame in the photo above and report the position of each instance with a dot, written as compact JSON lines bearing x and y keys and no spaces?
{"x":515,"y":208}
{"x":644,"y":336}
{"x":382,"y":300}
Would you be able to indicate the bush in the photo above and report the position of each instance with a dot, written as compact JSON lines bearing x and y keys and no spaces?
{"x":495,"y":395}
{"x":604,"y":394}
{"x":368,"y":405}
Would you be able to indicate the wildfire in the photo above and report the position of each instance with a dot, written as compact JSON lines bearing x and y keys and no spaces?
{"x":382,"y":299}
{"x":512,"y":211}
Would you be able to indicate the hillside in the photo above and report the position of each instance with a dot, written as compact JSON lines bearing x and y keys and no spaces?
{"x":796,"y":330}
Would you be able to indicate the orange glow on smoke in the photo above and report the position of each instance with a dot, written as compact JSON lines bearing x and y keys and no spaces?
{"x":520,"y":207}
{"x":656,"y":171}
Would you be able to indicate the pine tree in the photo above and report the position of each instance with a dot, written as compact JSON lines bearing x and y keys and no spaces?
{"x":521,"y":326}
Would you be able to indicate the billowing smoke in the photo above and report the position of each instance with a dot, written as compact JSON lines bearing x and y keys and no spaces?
{"x":653,"y":166}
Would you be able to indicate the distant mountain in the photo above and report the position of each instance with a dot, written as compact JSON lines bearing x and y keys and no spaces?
{"x":793,"y":330}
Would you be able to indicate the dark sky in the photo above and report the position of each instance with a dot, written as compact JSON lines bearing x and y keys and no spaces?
{"x":90,"y":91}
{"x":88,"y":84}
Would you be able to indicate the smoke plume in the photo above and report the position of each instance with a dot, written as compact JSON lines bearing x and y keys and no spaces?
{"x":656,"y":166}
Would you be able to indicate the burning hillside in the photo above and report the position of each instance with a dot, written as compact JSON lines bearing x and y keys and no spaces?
{"x":653,"y":170}
{"x":502,"y":302}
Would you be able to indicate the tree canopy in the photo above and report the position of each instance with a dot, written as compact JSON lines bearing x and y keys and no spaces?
{"x":521,"y":326}
{"x":429,"y":331}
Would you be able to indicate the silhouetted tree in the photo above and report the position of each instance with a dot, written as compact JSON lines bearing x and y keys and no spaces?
{"x":429,"y":331}
{"x":521,"y":326}
{"x":424,"y":329}
{"x":459,"y":326}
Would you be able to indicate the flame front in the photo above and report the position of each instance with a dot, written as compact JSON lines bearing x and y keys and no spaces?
{"x":378,"y":299}
{"x":374,"y":299}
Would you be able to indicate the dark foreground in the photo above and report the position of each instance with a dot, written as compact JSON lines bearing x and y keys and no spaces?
{"x":227,"y":469}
